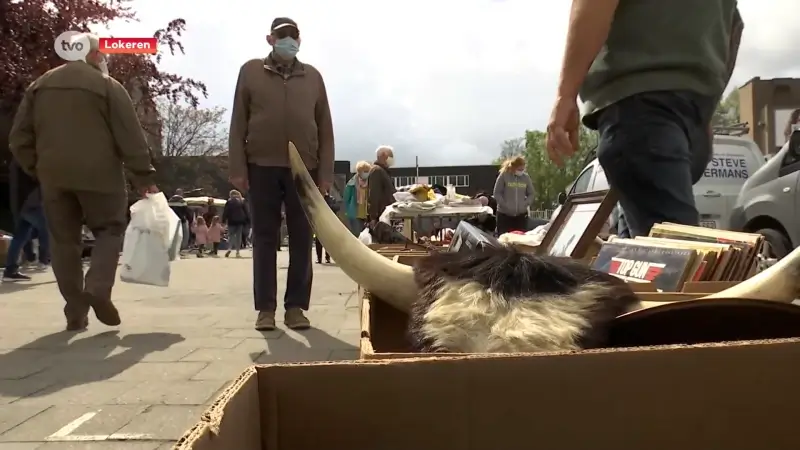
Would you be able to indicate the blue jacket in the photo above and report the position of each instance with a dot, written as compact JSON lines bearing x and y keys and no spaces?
{"x":350,"y":198}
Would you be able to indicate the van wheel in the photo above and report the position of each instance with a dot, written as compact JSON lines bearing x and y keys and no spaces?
{"x":778,"y":243}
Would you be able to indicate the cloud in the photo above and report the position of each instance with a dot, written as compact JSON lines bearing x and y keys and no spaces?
{"x":446,"y":81}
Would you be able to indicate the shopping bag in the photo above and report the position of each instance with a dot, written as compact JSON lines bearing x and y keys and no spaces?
{"x":148,"y":240}
{"x":365,"y":236}
{"x":175,"y":248}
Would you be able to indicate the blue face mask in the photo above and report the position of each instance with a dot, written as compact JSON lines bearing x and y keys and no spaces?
{"x":286,"y":47}
{"x":520,"y":173}
{"x":364,"y":175}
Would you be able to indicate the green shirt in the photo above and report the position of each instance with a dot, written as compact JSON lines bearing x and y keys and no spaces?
{"x":661,"y":45}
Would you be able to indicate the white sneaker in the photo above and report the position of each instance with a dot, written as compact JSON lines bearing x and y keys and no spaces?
{"x":40,"y":266}
{"x":238,"y":255}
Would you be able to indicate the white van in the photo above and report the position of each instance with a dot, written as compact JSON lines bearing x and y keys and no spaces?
{"x":735,"y":160}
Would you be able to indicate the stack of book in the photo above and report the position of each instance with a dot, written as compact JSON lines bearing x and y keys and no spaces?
{"x":673,"y":255}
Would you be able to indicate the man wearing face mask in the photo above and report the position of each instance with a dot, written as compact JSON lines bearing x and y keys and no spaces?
{"x":75,"y":132}
{"x":380,"y":188}
{"x":279,"y":99}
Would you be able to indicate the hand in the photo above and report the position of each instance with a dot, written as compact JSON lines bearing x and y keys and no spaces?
{"x":324,"y":187}
{"x":152,"y":189}
{"x":562,"y":130}
{"x":240,"y":183}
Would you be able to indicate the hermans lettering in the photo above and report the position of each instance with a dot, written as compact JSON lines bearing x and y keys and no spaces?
{"x":727,"y":167}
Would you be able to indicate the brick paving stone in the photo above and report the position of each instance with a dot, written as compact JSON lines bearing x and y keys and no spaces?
{"x":152,"y":377}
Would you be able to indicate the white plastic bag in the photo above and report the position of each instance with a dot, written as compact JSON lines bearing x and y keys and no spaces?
{"x":365,"y":236}
{"x":148,"y":242}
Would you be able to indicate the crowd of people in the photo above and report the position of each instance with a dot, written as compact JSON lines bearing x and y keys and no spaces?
{"x":205,"y":229}
{"x":651,"y":101}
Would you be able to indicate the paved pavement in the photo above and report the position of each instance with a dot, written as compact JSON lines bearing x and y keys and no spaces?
{"x":141,"y":385}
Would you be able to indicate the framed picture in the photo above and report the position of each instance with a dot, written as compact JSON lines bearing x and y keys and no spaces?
{"x":580,"y":220}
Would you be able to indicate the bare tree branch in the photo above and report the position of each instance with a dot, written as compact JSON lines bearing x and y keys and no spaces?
{"x":189,"y":131}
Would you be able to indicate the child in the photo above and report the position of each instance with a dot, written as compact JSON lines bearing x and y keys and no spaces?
{"x":200,"y":230}
{"x":215,"y":234}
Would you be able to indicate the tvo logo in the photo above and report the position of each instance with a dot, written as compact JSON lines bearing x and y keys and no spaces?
{"x":72,"y":46}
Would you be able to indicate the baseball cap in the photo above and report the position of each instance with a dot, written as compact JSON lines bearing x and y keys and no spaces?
{"x":283,"y":22}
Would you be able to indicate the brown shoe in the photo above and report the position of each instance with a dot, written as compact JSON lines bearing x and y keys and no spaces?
{"x":104,"y":310}
{"x":296,"y":320}
{"x":80,"y":324}
{"x":265,"y":321}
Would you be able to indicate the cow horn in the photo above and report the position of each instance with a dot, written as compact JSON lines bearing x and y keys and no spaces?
{"x":390,"y":281}
{"x":779,"y":283}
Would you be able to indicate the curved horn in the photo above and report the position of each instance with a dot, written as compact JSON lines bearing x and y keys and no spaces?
{"x":779,"y":283}
{"x":390,"y":281}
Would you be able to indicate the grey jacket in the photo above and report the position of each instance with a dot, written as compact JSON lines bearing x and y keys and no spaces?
{"x":514,"y":193}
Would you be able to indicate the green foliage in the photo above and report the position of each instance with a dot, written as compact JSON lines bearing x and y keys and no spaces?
{"x":727,"y":112}
{"x":549,"y":179}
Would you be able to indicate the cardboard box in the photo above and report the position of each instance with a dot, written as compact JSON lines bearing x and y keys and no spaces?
{"x":734,"y":396}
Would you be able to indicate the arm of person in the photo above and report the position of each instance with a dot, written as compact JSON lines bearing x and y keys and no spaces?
{"x":237,"y":136}
{"x":129,"y":136}
{"x":373,"y":195}
{"x":22,"y":139}
{"x":226,"y":212}
{"x":529,"y":191}
{"x":347,"y":196}
{"x":322,"y":115}
{"x":499,"y":192}
{"x":589,"y":25}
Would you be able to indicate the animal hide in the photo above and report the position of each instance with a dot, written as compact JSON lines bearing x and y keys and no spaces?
{"x":503,"y":300}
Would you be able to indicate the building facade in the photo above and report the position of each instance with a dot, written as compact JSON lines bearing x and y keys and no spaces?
{"x":468,"y":180}
{"x":765,"y":105}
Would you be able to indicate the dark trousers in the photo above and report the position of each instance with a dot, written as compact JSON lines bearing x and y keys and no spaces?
{"x":269,"y":188}
{"x":506,"y":223}
{"x":29,"y":221}
{"x":653,"y":148}
{"x":104,"y":213}
{"x":319,"y":249}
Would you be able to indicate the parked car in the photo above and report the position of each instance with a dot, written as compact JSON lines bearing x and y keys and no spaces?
{"x":768,"y":202}
{"x":735,"y":160}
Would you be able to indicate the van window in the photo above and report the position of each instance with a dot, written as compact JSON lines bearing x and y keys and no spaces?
{"x":582,"y":182}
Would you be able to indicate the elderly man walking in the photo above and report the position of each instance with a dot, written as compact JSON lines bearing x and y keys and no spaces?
{"x":650,"y":74}
{"x":75,"y":131}
{"x":380,"y":188}
{"x":279,"y":99}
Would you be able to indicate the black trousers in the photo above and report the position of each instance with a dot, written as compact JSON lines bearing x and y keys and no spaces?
{"x":506,"y":223}
{"x":653,"y":148}
{"x":319,"y":249}
{"x":269,"y":188}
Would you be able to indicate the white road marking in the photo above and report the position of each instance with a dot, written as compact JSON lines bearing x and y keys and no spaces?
{"x":65,"y":433}
{"x":101,"y":437}
{"x":67,"y":429}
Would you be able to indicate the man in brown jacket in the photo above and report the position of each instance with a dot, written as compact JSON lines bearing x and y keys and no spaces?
{"x":380,"y":188}
{"x":75,"y":130}
{"x":280,"y":99}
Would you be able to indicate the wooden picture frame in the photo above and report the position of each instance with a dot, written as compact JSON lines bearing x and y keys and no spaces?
{"x":605,"y":201}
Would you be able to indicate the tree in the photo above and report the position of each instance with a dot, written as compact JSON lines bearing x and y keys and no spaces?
{"x":548,"y":179}
{"x":187,"y":130}
{"x":29,"y":28}
{"x":727,"y":112}
{"x":511,"y":148}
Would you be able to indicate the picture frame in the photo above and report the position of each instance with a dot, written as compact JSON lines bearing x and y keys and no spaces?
{"x":581,"y":218}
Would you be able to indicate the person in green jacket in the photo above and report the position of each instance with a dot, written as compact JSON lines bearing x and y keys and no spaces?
{"x":355,"y":198}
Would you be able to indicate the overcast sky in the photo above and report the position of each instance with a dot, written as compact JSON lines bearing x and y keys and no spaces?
{"x":444,"y":80}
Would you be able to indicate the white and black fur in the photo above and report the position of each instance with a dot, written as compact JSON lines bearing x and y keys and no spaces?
{"x":504,"y":300}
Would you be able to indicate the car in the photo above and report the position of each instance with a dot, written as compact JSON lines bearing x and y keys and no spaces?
{"x":768,"y":202}
{"x":735,"y":160}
